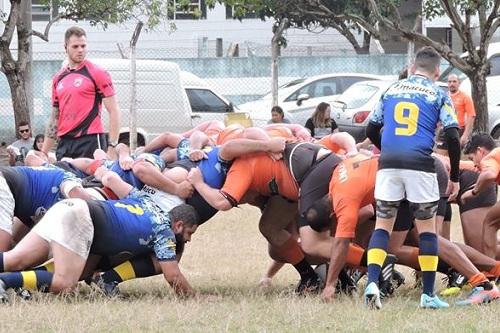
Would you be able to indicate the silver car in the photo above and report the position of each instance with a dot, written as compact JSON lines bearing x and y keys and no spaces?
{"x":351,"y":109}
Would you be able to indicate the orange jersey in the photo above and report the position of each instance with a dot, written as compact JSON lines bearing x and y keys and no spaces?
{"x":352,"y":187}
{"x":325,"y":141}
{"x":491,"y":162}
{"x":261,"y":174}
{"x":463,"y":106}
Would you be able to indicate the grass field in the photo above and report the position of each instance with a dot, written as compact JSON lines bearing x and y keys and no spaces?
{"x":224,"y":263}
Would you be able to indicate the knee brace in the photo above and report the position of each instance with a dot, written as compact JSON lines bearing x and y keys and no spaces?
{"x":387,"y":209}
{"x":424,"y":211}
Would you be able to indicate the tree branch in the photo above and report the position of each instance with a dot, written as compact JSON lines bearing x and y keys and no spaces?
{"x":11,"y":23}
{"x":45,"y":35}
{"x":491,"y":25}
{"x":442,"y":49}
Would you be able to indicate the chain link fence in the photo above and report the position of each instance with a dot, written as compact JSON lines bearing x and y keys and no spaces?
{"x":211,"y":82}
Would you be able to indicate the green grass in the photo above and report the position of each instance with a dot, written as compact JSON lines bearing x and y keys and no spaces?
{"x":224,"y":263}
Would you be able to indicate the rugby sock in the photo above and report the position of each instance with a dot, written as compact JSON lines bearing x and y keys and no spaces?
{"x":49,"y":267}
{"x":305,"y":270}
{"x":291,"y":252}
{"x":495,"y":270}
{"x":1,"y":262}
{"x":377,"y":252}
{"x":31,"y":280}
{"x":135,"y":268}
{"x":442,"y":267}
{"x":480,"y":280}
{"x":428,"y":260}
{"x":356,"y":256}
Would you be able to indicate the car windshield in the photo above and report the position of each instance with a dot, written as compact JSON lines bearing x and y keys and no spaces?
{"x":292,"y":83}
{"x":451,"y":70}
{"x":357,"y":95}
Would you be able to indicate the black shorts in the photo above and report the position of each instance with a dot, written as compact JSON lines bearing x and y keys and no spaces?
{"x":315,"y":185}
{"x":83,"y":146}
{"x":444,"y":208}
{"x":202,"y":207}
{"x":487,"y":197}
{"x":185,"y":164}
{"x":404,"y":217}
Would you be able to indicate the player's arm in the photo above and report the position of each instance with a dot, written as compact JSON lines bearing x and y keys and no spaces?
{"x":149,"y":174}
{"x":345,"y":141}
{"x":111,"y":105}
{"x":51,"y":131}
{"x":239,"y":147}
{"x":113,"y":181}
{"x":176,"y":279}
{"x":347,"y":212}
{"x":163,"y":140}
{"x":486,"y":177}
{"x":124,"y":158}
{"x":214,"y":197}
{"x":340,"y":247}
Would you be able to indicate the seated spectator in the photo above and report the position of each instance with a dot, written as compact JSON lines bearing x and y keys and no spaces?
{"x":277,"y":116}
{"x":320,"y":124}
{"x":38,"y":144}
{"x":18,"y":149}
{"x":37,"y":150}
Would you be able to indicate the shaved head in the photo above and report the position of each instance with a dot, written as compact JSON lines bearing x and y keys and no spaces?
{"x":453,"y":83}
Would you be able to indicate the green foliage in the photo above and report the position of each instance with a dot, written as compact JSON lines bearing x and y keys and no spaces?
{"x":97,"y":12}
{"x":433,"y":8}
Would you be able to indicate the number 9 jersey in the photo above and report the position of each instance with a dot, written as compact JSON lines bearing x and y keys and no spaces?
{"x":409,"y":112}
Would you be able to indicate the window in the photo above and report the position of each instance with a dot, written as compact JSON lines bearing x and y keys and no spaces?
{"x":495,"y":65}
{"x":348,"y":81}
{"x":231,"y":13}
{"x":203,"y":100}
{"x":358,"y":95}
{"x":320,"y":88}
{"x":40,"y":11}
{"x":196,"y":9}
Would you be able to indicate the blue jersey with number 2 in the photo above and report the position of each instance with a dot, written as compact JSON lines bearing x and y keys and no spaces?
{"x":410,"y":111}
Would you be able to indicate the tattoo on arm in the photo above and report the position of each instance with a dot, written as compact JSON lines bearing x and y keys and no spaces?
{"x":51,"y":131}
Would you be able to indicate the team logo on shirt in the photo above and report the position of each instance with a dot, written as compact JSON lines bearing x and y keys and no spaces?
{"x":77,"y":82}
{"x":60,"y":85}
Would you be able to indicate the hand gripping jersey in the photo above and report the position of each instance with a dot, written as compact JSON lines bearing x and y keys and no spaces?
{"x":135,"y":224}
{"x":127,"y":175}
{"x":410,"y":111}
{"x":35,"y":189}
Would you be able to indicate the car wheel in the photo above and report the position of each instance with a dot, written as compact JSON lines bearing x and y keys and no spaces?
{"x":496,"y":133}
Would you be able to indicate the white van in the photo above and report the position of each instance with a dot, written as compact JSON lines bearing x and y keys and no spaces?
{"x":168,"y":99}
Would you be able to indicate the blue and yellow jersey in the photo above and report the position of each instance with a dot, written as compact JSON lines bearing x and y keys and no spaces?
{"x":410,"y":111}
{"x":134,"y":224}
{"x":35,"y":189}
{"x":214,"y":169}
{"x":127,"y":175}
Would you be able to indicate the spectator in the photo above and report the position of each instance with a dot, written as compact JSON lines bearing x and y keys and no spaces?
{"x":463,"y":106}
{"x":78,"y":92}
{"x":277,"y":116}
{"x":320,"y":124}
{"x":38,"y":143}
{"x":18,"y":149}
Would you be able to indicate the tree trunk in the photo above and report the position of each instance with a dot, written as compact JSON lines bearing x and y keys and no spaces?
{"x":480,"y":98}
{"x":19,"y":100}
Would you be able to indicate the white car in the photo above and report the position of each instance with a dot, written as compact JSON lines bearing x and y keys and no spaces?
{"x":492,"y":86}
{"x":352,"y":108}
{"x":300,"y":97}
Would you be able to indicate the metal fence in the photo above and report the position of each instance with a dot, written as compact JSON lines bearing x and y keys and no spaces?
{"x":237,"y":80}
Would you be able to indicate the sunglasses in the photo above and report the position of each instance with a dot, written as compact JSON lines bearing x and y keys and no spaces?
{"x":24,"y":131}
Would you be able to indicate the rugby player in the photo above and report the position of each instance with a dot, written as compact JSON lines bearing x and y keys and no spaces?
{"x":409,"y":112}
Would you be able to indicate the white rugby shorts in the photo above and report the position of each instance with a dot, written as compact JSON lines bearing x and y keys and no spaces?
{"x":398,"y":184}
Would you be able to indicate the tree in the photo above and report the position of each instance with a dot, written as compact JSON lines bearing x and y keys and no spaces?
{"x":100,"y":13}
{"x":304,"y":15}
{"x":384,"y":14}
